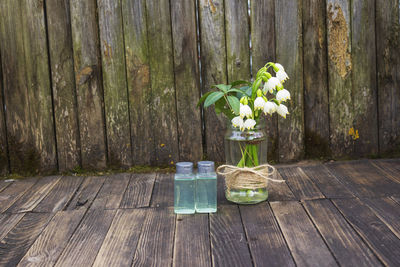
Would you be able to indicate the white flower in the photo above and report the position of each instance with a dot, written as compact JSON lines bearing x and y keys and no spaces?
{"x":270,"y":107}
{"x":237,"y":122}
{"x":281,"y":75}
{"x":259,"y":103}
{"x":282,"y":110}
{"x":245,"y":111}
{"x":282,"y":95}
{"x":249,"y":124}
{"x":271,"y":84}
{"x":279,"y":66}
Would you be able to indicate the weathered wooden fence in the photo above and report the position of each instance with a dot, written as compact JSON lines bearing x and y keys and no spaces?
{"x":115,"y":82}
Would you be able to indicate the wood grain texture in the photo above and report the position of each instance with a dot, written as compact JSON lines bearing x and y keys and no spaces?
{"x":237,"y":40}
{"x":213,"y":71}
{"x":86,"y":193}
{"x":288,"y":27}
{"x":4,"y":163}
{"x":34,"y":195}
{"x":60,"y":195}
{"x":387,"y":210}
{"x":17,"y":241}
{"x":345,"y":244}
{"x":382,"y":241}
{"x":139,"y":191}
{"x":15,"y":95}
{"x":163,"y":192}
{"x":363,"y":56}
{"x":192,"y":241}
{"x":88,"y":83}
{"x":187,"y":79}
{"x":341,"y":114}
{"x":51,"y":242}
{"x":228,"y":239}
{"x":390,"y":167}
{"x":4,"y":184}
{"x":114,"y":82}
{"x":302,"y":186}
{"x":364,"y":180}
{"x":87,"y":239}
{"x":162,"y":222}
{"x":138,"y":80}
{"x":13,"y":192}
{"x":120,"y":243}
{"x":329,"y":185}
{"x":63,"y":84}
{"x":388,"y":67}
{"x":267,"y":245}
{"x":163,"y":104}
{"x":316,"y":102}
{"x":7,"y":222}
{"x":110,"y":195}
{"x":301,"y":235}
{"x":262,"y":30}
{"x":279,"y":191}
{"x":38,"y":88}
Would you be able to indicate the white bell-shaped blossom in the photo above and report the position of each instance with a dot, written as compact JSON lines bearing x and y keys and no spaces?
{"x":249,"y":124}
{"x":245,"y":111}
{"x":282,"y":76}
{"x":270,"y":107}
{"x":237,"y":122}
{"x":271,"y":84}
{"x":279,"y":66}
{"x":259,"y":103}
{"x":282,"y":95}
{"x":282,"y":110}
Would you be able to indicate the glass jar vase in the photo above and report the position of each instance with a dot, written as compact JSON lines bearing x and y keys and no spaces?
{"x":246,"y":148}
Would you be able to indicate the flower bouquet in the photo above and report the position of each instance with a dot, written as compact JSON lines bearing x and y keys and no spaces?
{"x":243,"y":103}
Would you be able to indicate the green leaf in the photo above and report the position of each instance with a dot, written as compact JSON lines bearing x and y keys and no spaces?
{"x":235,"y":90}
{"x":236,"y":83}
{"x":249,"y":91}
{"x":212,"y":98}
{"x":201,"y":100}
{"x":223,"y":87}
{"x":220,"y":106}
{"x":235,"y":104}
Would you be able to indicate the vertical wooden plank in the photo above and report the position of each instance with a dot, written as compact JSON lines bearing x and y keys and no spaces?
{"x":228,"y":239}
{"x":187,"y":79}
{"x":339,"y":76}
{"x":63,"y":83}
{"x":316,"y":102}
{"x":288,"y":27}
{"x":39,"y":89}
{"x":213,"y":71}
{"x":114,"y":81}
{"x":51,"y":242}
{"x":163,"y":105}
{"x":266,"y":242}
{"x":306,"y":245}
{"x":162,"y":222}
{"x":192,"y":241}
{"x":388,"y":67}
{"x":343,"y":241}
{"x":363,"y":56}
{"x":138,"y":79}
{"x":237,"y":40}
{"x":122,"y":238}
{"x":262,"y":28}
{"x":15,"y":87}
{"x":89,"y":90}
{"x":3,"y":133}
{"x":83,"y":246}
{"x":17,"y":242}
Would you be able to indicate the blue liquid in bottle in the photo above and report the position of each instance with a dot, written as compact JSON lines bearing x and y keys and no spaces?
{"x":206,"y":188}
{"x":184,"y":188}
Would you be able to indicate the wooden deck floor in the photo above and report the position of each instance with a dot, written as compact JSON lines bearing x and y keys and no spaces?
{"x":345,"y":214}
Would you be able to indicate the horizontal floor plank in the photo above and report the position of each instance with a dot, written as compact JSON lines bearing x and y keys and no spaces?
{"x":4,"y":184}
{"x":110,"y":195}
{"x":163,"y":192}
{"x":279,"y":191}
{"x":139,"y":190}
{"x":389,"y":167}
{"x":7,"y":222}
{"x":13,"y":192}
{"x":86,"y":193}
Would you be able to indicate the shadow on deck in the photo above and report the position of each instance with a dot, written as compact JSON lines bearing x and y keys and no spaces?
{"x":345,"y":213}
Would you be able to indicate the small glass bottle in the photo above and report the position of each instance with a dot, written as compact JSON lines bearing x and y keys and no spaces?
{"x":206,"y":187}
{"x":184,"y":188}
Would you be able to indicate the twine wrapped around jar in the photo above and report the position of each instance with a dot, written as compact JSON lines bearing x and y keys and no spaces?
{"x":248,"y":178}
